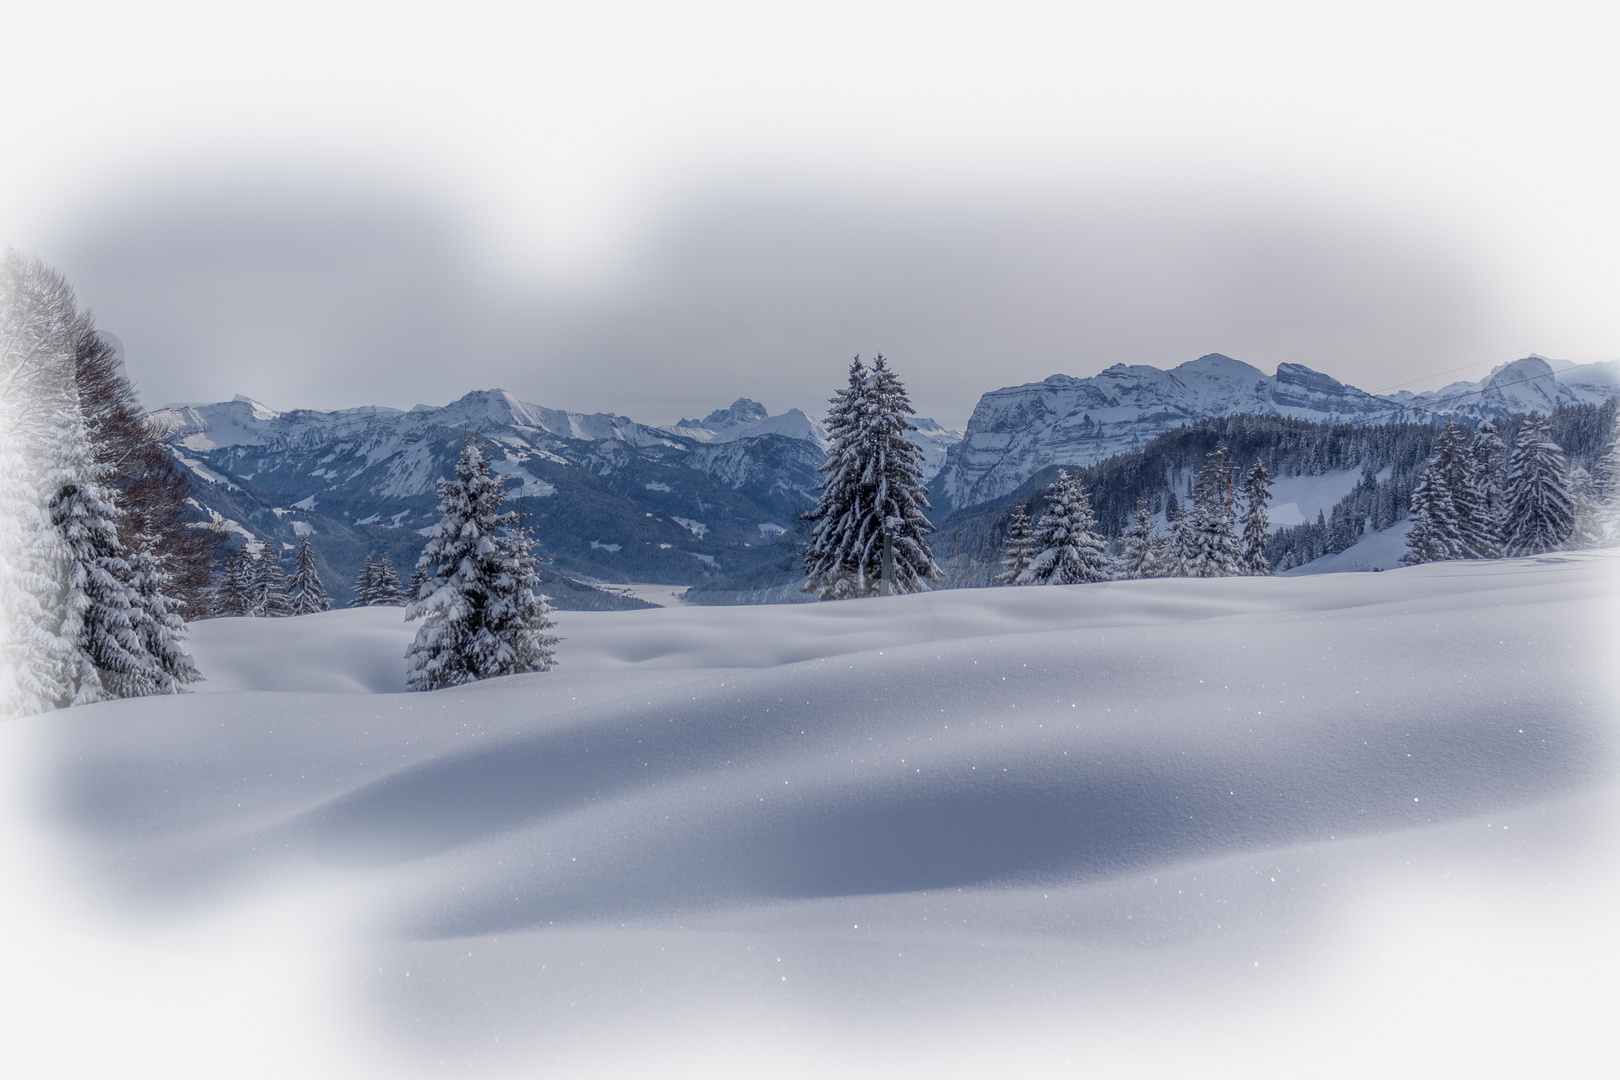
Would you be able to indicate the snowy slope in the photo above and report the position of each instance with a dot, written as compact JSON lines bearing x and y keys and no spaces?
{"x":1374,"y":551}
{"x":1298,"y":499}
{"x":1266,"y":826}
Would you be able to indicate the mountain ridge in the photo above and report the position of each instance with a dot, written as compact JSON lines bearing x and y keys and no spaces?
{"x":1016,"y":431}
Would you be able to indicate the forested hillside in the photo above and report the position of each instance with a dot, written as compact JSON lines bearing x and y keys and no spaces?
{"x":1389,"y":458}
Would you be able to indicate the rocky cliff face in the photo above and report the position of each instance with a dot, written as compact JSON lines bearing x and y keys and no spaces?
{"x":1017,"y":431}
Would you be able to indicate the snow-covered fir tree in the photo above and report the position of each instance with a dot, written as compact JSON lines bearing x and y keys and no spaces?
{"x":1586,"y":525}
{"x":157,"y":617}
{"x":83,"y":615}
{"x":1450,"y":505}
{"x":1469,"y":490}
{"x":1483,"y":525}
{"x":385,"y":590}
{"x":1538,"y":513}
{"x":365,"y":584}
{"x":1434,"y":520}
{"x":1256,"y":519}
{"x":112,"y":660}
{"x":421,"y":578}
{"x":309,"y":592}
{"x":484,"y":616}
{"x":38,"y":660}
{"x":1210,"y":544}
{"x":1178,"y":516}
{"x":271,"y":600}
{"x":233,"y":595}
{"x":873,"y":483}
{"x":1071,"y":552}
{"x":1606,"y":473}
{"x":1144,"y":552}
{"x":1018,"y":548}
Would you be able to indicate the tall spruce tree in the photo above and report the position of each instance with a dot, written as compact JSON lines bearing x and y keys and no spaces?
{"x":233,"y":592}
{"x":1432,"y":518}
{"x":1436,"y":534}
{"x":1144,"y":552}
{"x":1178,"y":515}
{"x":1606,"y":473}
{"x":1472,"y":533}
{"x":1071,"y":552}
{"x":1485,"y":460}
{"x":484,"y":617}
{"x":39,"y":655}
{"x":309,"y":591}
{"x":101,"y":605}
{"x":1018,"y":548}
{"x":1210,"y":543}
{"x":86,"y":615}
{"x":872,"y":485}
{"x":271,"y":600}
{"x":1256,"y":520}
{"x":1538,"y":513}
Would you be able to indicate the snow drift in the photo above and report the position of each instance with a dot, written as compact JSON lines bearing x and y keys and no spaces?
{"x":1135,"y":827}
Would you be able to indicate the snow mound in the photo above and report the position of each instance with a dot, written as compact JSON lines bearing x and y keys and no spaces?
{"x":942,"y":829}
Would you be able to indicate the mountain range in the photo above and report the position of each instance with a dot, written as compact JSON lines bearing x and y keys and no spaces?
{"x":617,"y":501}
{"x":613,"y":500}
{"x":1017,"y":431}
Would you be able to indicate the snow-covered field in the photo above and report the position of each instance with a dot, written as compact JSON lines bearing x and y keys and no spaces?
{"x":1344,"y":824}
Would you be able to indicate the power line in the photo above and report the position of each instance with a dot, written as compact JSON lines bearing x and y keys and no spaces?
{"x":1431,"y":407}
{"x":1534,"y":350}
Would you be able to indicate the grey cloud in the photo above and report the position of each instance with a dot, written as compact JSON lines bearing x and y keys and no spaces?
{"x":309,"y":295}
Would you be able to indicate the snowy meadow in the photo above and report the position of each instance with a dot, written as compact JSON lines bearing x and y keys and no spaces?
{"x":1330,"y":825}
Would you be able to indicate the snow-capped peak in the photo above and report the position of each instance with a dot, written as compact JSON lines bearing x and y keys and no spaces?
{"x":259,"y":409}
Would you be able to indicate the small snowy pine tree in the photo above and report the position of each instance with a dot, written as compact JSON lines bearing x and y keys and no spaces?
{"x":385,"y":590}
{"x":483,"y":617}
{"x":1019,"y":547}
{"x":1586,"y":529}
{"x":309,"y":591}
{"x":1538,"y":513}
{"x":1256,"y":521}
{"x":271,"y":600}
{"x":365,"y":584}
{"x":1144,"y":552}
{"x":233,"y":595}
{"x":1071,"y":551}
{"x":421,"y":578}
{"x":157,"y":618}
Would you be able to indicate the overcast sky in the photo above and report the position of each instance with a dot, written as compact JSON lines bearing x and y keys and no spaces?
{"x":654,"y":209}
